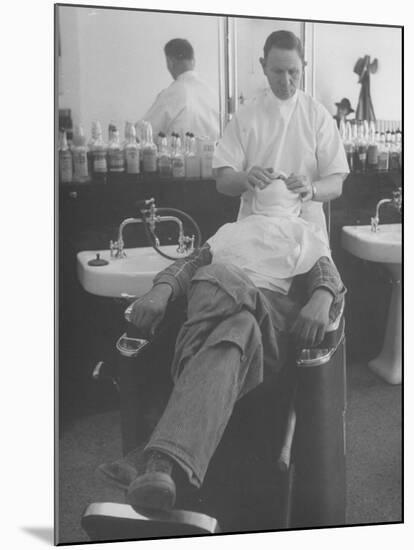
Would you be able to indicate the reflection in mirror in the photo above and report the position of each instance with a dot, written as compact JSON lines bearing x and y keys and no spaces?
{"x":337,"y":47}
{"x":112,"y":64}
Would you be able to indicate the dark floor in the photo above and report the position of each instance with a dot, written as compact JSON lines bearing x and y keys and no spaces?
{"x":373,"y":457}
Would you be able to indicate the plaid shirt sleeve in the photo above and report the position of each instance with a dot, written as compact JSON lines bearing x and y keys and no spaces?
{"x":324,"y":274}
{"x":179,"y":274}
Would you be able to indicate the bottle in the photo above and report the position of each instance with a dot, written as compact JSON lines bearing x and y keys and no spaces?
{"x":97,"y":153}
{"x":362,"y":147}
{"x":192,"y":160}
{"x":355,"y":156}
{"x":80,"y":156}
{"x":177,"y":157}
{"x":164,"y":157}
{"x":94,"y":132}
{"x":394,"y":154}
{"x":399,"y":147}
{"x":348,"y":145}
{"x":132,"y":149}
{"x":65,"y":160}
{"x":149,"y":150}
{"x":206,"y":148}
{"x":383,"y":154}
{"x":372,"y":152}
{"x":116,"y":161}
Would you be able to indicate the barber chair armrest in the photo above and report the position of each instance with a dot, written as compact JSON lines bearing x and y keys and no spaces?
{"x":130,"y":345}
{"x":321,"y":354}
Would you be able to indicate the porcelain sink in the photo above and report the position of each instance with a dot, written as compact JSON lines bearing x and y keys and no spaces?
{"x":131,"y":275}
{"x":382,"y":246}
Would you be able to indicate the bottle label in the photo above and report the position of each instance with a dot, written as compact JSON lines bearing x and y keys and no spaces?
{"x":178,"y":168}
{"x":206,"y":167}
{"x":192,"y":167}
{"x":132,"y":160}
{"x":149,"y":160}
{"x":99,"y":162}
{"x":164,"y":166}
{"x":383,"y":161}
{"x":372,"y":155}
{"x":116,"y":160}
{"x":65,"y":165}
{"x":80,"y":165}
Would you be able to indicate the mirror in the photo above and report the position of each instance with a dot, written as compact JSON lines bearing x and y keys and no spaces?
{"x":112,"y":63}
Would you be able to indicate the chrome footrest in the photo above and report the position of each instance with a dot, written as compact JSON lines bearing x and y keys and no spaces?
{"x":130,"y":347}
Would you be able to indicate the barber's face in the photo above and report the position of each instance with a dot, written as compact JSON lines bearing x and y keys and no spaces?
{"x":283,"y":70}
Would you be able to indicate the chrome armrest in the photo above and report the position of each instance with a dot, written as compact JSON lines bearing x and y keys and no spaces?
{"x":312,"y":357}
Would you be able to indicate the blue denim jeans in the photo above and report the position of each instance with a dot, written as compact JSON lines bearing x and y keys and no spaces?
{"x":234,"y":337}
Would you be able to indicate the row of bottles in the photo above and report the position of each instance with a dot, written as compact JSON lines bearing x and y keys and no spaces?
{"x":173,"y":156}
{"x":368,"y":149}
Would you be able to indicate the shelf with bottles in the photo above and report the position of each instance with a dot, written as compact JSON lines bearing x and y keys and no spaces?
{"x":136,"y":158}
{"x":369,"y":150}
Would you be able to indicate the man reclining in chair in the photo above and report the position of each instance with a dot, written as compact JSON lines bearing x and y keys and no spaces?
{"x":241,"y":307}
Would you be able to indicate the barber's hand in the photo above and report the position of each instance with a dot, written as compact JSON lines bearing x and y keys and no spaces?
{"x":301,"y":185}
{"x":148,"y":311}
{"x":310,"y":325}
{"x":260,"y":177}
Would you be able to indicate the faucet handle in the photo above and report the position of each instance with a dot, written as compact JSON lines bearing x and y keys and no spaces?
{"x":144,"y":203}
{"x":397,"y":197}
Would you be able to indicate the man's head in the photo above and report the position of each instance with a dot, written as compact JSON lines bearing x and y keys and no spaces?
{"x":283,"y":63}
{"x":180,"y":56}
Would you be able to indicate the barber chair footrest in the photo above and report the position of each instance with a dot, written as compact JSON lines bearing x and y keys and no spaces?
{"x":106,"y":521}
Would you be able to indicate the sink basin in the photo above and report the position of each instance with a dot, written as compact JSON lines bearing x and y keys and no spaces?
{"x":131,"y":275}
{"x":383,"y":246}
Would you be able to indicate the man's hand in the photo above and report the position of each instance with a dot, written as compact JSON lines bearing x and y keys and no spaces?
{"x":310,"y":325}
{"x":301,"y":185}
{"x":259,"y":177}
{"x":148,"y":311}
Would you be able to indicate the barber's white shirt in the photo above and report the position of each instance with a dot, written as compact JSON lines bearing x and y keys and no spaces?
{"x":293,"y":136}
{"x":187,"y":105}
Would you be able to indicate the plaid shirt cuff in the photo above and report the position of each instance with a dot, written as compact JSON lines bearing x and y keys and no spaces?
{"x":179,"y":274}
{"x":325,"y":275}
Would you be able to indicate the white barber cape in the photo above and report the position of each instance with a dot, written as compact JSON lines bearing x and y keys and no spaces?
{"x":297,"y":135}
{"x":187,"y":105}
{"x":272,"y":244}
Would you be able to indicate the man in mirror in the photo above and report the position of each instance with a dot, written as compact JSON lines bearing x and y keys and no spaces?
{"x":188,"y":104}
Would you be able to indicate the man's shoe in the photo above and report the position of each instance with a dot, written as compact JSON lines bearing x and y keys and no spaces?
{"x":118,"y":474}
{"x":122,"y":472}
{"x":154,"y":491}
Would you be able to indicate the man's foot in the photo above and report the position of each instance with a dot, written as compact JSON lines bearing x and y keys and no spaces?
{"x":154,"y":490}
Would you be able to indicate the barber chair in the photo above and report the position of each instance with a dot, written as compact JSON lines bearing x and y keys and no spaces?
{"x":280,"y":463}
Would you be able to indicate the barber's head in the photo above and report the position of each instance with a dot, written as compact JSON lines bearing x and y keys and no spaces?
{"x":283,"y":63}
{"x":180,"y":56}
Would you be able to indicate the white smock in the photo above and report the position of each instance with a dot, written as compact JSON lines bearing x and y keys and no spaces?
{"x":297,"y":136}
{"x":187,"y":105}
{"x":272,"y":244}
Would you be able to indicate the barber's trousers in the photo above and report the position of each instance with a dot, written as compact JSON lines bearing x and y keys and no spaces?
{"x":234,"y":337}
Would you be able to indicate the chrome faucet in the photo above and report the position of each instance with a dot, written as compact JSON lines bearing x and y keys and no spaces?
{"x":151,"y":218}
{"x":396,"y":201}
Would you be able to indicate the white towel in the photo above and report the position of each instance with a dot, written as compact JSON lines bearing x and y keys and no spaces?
{"x":274,"y":244}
